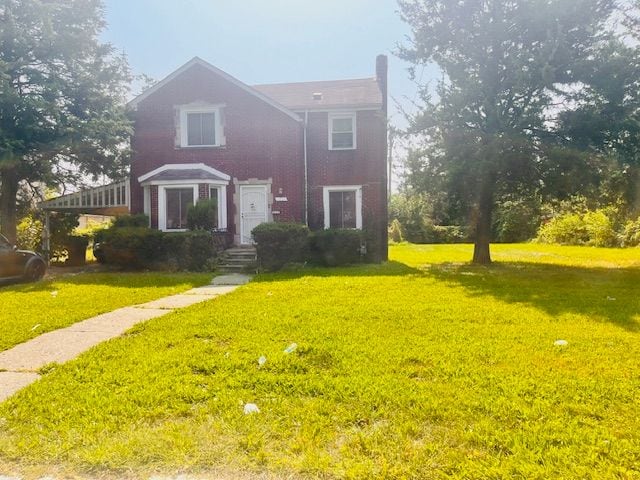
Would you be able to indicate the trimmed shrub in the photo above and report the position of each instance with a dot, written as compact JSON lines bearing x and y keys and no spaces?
{"x":137,"y":220}
{"x":137,"y":247}
{"x":335,"y":246}
{"x":193,"y":251}
{"x":280,"y":243}
{"x":203,"y":215}
{"x":130,"y":247}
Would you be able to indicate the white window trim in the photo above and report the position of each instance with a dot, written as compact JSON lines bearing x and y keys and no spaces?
{"x":331,"y":117}
{"x":147,"y":202}
{"x":222,"y":204}
{"x":182,"y":166}
{"x":162,"y":204}
{"x":219,"y":131}
{"x":342,"y":188}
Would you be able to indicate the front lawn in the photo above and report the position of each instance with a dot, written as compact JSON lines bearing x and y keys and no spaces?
{"x":420,"y":368}
{"x":27,"y":311}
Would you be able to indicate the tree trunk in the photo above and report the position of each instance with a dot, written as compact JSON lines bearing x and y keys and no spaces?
{"x":8,"y":194}
{"x":481,"y":253}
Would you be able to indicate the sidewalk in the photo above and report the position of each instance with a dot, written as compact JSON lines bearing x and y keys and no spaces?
{"x":19,"y":365}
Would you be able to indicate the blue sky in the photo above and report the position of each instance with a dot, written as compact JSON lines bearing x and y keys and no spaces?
{"x":264,"y":41}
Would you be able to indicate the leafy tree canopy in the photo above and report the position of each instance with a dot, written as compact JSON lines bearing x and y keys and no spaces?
{"x":62,"y":97}
{"x":510,"y":68}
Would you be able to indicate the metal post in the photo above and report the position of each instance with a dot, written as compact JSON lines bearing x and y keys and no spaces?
{"x":46,"y":236}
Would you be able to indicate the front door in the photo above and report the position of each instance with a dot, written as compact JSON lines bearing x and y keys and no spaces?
{"x":253,"y":210}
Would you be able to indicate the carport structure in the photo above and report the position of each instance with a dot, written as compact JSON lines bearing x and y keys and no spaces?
{"x":112,"y":199}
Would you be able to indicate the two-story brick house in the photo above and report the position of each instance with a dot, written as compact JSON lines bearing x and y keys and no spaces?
{"x":312,"y":152}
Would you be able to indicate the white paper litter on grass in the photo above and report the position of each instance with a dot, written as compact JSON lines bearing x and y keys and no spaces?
{"x":250,"y":408}
{"x":291,"y":348}
{"x":37,"y":325}
{"x":54,"y":293}
{"x":262,"y":360}
{"x":560,"y":343}
{"x":611,"y":299}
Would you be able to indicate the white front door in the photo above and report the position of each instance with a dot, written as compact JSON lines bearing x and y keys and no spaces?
{"x":253,"y":210}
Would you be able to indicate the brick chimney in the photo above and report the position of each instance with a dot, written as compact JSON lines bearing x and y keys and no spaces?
{"x":381,"y":75}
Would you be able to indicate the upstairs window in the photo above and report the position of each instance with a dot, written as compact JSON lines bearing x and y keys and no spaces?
{"x":342,"y":131}
{"x":200,"y":127}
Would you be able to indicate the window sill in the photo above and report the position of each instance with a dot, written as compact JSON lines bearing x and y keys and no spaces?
{"x":200,"y":147}
{"x":342,"y":149}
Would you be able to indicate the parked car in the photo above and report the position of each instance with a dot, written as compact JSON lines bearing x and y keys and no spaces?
{"x":19,"y":265}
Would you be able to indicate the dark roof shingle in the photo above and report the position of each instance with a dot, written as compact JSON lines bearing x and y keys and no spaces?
{"x":335,"y":93}
{"x":184,"y":174}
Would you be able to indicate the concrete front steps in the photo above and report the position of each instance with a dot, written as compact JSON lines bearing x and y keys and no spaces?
{"x":238,"y":260}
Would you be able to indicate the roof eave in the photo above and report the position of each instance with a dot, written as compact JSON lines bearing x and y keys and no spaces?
{"x":133,"y":104}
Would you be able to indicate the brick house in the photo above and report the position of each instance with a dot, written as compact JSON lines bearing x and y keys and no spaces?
{"x":311,"y":152}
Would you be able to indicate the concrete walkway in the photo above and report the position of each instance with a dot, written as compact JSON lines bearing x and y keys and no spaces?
{"x":19,"y":365}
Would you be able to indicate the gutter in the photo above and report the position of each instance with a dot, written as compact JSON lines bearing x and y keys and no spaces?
{"x":306,"y":169}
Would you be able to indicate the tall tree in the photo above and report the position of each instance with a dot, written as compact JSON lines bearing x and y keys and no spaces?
{"x":62,"y":96}
{"x":605,"y":119}
{"x":508,"y":66}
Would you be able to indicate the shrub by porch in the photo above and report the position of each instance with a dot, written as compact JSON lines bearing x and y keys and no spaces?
{"x":280,"y":244}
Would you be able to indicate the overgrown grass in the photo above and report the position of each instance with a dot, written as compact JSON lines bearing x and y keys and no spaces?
{"x":420,"y":368}
{"x":29,"y":310}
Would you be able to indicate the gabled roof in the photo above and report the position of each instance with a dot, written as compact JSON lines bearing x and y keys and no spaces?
{"x":198,"y":61}
{"x":184,"y":171}
{"x":362,"y":92}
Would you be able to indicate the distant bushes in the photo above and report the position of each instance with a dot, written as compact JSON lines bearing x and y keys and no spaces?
{"x":281,"y":244}
{"x":516,"y":220}
{"x":631,"y":234}
{"x":411,"y":221}
{"x":598,"y":228}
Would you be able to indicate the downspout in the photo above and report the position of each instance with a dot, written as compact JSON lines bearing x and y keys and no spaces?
{"x":306,"y":170}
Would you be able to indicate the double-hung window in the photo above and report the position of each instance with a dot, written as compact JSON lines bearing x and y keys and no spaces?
{"x":201,"y":127}
{"x":343,"y":207}
{"x":342,"y":131}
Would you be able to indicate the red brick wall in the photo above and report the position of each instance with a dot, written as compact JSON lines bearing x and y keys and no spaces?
{"x":154,"y":206}
{"x":203,"y":191}
{"x":264,"y":143}
{"x":366,"y":166}
{"x":261,"y":141}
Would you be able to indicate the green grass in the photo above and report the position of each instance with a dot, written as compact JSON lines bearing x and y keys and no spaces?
{"x":29,"y":310}
{"x":421,"y":368}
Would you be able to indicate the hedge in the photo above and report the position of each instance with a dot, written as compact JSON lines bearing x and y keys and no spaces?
{"x":278,"y":244}
{"x":334,"y":247}
{"x":142,"y":247}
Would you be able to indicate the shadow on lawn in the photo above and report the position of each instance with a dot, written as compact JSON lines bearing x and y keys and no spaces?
{"x":387,"y":269}
{"x":607,"y":293}
{"x":108,"y":279}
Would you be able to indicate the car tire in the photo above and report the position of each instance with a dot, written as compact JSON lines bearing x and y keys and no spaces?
{"x":35,"y":271}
